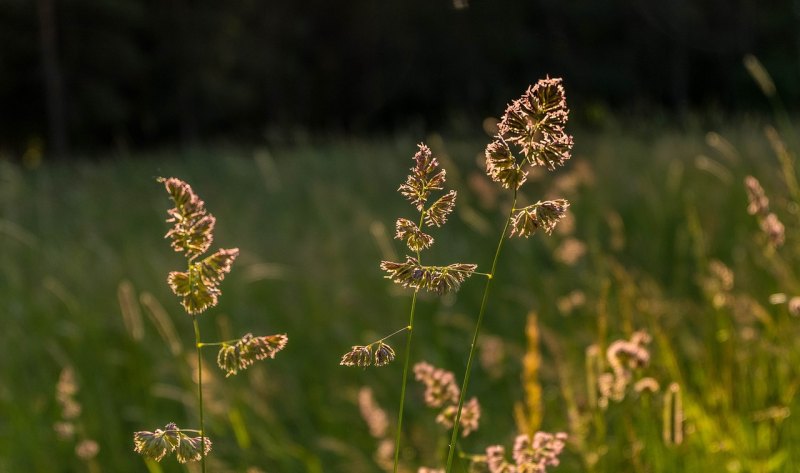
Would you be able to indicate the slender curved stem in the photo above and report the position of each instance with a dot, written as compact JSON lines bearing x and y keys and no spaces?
{"x":410,"y":329}
{"x":467,"y":371}
{"x":405,"y":382}
{"x":197,"y":345}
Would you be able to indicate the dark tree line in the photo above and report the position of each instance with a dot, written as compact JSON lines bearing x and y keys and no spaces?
{"x":93,"y":74}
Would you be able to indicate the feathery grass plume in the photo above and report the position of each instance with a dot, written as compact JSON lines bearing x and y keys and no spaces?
{"x":358,"y":356}
{"x":502,"y":166}
{"x":440,"y":385}
{"x":376,"y":353}
{"x":192,"y":449}
{"x":543,"y":214}
{"x":191,"y":234}
{"x":758,"y":202}
{"x":242,"y":354}
{"x":624,"y":356}
{"x":437,"y":213}
{"x":535,"y":122}
{"x":496,"y":460}
{"x":773,"y":228}
{"x":530,"y":456}
{"x":758,"y":205}
{"x":441,"y":391}
{"x":534,"y":125}
{"x":158,"y":444}
{"x":438,"y":279}
{"x":193,"y":227}
{"x":423,"y":178}
{"x":537,"y":454}
{"x":415,"y":238}
{"x":383,"y":355}
{"x":198,"y":287}
{"x":470,"y":416}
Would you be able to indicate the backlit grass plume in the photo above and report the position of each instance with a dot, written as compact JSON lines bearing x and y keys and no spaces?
{"x":171,"y":439}
{"x":198,"y":288}
{"x":241,"y":354}
{"x":530,"y":455}
{"x":441,"y":392}
{"x":192,"y":233}
{"x":424,"y":179}
{"x":530,"y":133}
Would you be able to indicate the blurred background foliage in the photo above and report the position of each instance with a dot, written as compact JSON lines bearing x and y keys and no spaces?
{"x":121,"y":74}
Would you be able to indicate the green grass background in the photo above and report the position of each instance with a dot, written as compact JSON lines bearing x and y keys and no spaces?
{"x":305,"y":219}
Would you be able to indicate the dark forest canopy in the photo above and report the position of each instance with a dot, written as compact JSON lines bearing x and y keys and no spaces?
{"x":145,"y":72}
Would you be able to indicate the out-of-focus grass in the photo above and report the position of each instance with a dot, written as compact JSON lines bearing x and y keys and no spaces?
{"x":651,"y":213}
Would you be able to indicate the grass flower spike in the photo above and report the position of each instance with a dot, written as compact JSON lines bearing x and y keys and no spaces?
{"x":442,"y":392}
{"x":534,"y":125}
{"x":192,"y":234}
{"x":544,"y":215}
{"x":193,"y":227}
{"x":424,"y":178}
{"x":242,"y":354}
{"x":171,"y":439}
{"x":530,"y":456}
{"x":535,"y":122}
{"x":198,"y":288}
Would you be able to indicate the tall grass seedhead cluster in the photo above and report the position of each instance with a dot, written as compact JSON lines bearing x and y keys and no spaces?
{"x":192,"y":234}
{"x":534,"y":125}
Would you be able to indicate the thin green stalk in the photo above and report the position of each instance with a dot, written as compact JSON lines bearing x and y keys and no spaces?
{"x":490,"y":278}
{"x":405,"y":381}
{"x":410,"y":328}
{"x":197,"y":345}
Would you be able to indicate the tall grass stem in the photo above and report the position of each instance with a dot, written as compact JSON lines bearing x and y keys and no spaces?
{"x":405,"y":381}
{"x":198,"y":345}
{"x":457,"y":420}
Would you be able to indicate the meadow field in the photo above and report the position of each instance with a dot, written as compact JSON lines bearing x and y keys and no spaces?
{"x":658,"y":238}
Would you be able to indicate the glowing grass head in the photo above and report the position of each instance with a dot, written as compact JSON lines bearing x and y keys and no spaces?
{"x":171,"y":439}
{"x":534,"y":123}
{"x":232,"y":358}
{"x":192,"y":233}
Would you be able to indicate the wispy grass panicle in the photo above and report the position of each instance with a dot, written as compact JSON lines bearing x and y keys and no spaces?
{"x":442,"y":392}
{"x":438,"y":279}
{"x":437,"y":213}
{"x":502,"y":166}
{"x":409,"y":232}
{"x":543,"y":214}
{"x":535,"y":122}
{"x":534,"y":125}
{"x":192,"y":226}
{"x":424,"y":178}
{"x":531,"y":455}
{"x":358,"y":356}
{"x":243,"y":353}
{"x":758,"y":205}
{"x":198,"y":288}
{"x":171,"y":439}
